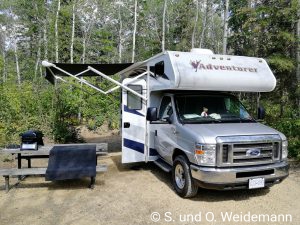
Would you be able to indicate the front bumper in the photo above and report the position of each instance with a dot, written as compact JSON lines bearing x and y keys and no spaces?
{"x":238,"y":177}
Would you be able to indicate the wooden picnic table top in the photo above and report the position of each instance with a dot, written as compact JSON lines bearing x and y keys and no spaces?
{"x":45,"y":150}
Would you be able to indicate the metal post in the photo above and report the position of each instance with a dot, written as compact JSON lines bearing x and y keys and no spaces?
{"x":147,"y":146}
{"x":29,"y":162}
{"x":6,"y":183}
{"x":19,"y":164}
{"x":93,"y":180}
{"x":19,"y":161}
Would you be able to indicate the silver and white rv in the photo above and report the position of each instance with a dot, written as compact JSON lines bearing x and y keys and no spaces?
{"x":178,"y":111}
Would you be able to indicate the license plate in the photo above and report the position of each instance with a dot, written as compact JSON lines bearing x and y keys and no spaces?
{"x":256,"y":183}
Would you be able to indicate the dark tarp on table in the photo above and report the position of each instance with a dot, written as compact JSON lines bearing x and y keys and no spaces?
{"x":71,"y":162}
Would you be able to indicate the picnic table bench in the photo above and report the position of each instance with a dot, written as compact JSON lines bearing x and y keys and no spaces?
{"x":43,"y":152}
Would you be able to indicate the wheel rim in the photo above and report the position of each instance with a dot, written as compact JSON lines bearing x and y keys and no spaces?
{"x":179,"y":176}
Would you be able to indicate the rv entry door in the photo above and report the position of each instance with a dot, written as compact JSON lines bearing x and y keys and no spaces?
{"x":134,"y":122}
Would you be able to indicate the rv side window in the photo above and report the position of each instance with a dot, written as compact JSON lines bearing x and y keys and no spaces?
{"x":165,"y":110}
{"x":133,"y":101}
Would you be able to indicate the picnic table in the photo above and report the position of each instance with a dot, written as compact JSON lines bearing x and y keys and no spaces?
{"x":43,"y":152}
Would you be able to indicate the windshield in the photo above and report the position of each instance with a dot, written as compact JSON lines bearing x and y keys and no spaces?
{"x":211,"y":108}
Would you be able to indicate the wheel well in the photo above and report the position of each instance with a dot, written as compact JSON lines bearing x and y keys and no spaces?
{"x":178,"y":152}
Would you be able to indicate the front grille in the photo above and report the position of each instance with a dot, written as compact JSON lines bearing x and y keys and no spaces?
{"x":240,"y":152}
{"x":248,"y":151}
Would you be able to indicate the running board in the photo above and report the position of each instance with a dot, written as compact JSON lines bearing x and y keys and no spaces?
{"x":163,"y":165}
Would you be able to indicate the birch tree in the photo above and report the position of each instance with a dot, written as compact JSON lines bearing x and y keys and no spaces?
{"x":38,"y":57}
{"x":225,"y":30}
{"x":2,"y":48}
{"x":120,"y":45}
{"x":3,"y":66}
{"x":204,"y":24}
{"x":15,"y":44}
{"x":56,"y":30}
{"x":164,"y":27}
{"x":73,"y":31}
{"x":195,"y":24}
{"x":298,"y":52}
{"x":17,"y":61}
{"x":134,"y":31}
{"x":45,"y":30}
{"x":87,"y":13}
{"x":45,"y":39}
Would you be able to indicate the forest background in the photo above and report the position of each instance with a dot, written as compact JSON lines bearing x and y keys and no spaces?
{"x":109,"y":31}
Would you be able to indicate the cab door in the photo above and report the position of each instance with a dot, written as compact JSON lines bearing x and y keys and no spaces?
{"x":166,"y":135}
{"x":134,"y":122}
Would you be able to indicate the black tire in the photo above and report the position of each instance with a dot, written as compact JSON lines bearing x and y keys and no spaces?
{"x":189,"y":189}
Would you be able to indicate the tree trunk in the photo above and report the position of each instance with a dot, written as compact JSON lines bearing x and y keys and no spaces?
{"x":225,"y":28}
{"x":258,"y":95}
{"x":120,"y":35}
{"x":17,"y":62}
{"x":298,"y":53}
{"x":195,"y":25}
{"x":38,"y":56}
{"x":73,"y":32}
{"x":15,"y":48}
{"x":45,"y":41}
{"x":134,"y":31}
{"x":45,"y":34}
{"x":214,"y":36}
{"x":83,"y":49}
{"x":56,"y":31}
{"x":4,"y":65}
{"x":85,"y":41}
{"x":164,"y":27}
{"x":281,"y":102}
{"x":204,"y":24}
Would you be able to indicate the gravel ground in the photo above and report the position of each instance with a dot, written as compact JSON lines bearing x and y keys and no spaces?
{"x":130,"y":195}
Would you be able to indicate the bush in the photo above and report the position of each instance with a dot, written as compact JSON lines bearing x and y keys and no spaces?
{"x":290,"y":128}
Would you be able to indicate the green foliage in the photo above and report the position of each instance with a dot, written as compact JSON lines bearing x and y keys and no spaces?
{"x":281,"y":64}
{"x":266,"y":29}
{"x":291,"y":128}
{"x":22,"y":110}
{"x":1,"y":63}
{"x":257,"y":28}
{"x":288,"y":124}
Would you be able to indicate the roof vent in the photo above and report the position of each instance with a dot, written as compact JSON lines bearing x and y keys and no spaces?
{"x":202,"y":51}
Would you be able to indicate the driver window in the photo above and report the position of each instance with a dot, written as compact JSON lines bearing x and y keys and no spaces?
{"x":165,"y":110}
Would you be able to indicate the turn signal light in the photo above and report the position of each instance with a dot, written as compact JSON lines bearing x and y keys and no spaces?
{"x":199,"y":152}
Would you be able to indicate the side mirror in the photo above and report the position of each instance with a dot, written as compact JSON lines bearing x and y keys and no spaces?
{"x":169,"y":120}
{"x":151,"y":114}
{"x":261,"y":113}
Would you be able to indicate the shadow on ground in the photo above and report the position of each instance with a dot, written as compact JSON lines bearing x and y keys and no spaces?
{"x":75,"y":184}
{"x":203,"y":194}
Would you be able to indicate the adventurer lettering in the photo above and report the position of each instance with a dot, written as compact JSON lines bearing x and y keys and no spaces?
{"x":200,"y":66}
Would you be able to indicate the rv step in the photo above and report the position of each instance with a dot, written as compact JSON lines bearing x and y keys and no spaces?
{"x":163,"y":165}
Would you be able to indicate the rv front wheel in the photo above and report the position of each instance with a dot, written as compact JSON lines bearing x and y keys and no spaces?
{"x":182,"y":179}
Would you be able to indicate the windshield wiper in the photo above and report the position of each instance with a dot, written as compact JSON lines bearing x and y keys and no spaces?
{"x":199,"y":122}
{"x":247,"y":120}
{"x":238,"y":120}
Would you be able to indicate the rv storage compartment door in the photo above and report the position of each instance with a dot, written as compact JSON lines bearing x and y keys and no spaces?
{"x":133,"y":122}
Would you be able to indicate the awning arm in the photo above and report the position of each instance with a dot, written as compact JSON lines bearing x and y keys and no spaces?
{"x":81,"y":80}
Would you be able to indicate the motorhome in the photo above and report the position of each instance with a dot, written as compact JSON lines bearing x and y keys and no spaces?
{"x":178,"y":110}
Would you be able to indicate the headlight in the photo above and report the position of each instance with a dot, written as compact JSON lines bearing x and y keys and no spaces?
{"x":205,"y":154}
{"x":284,"y":149}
